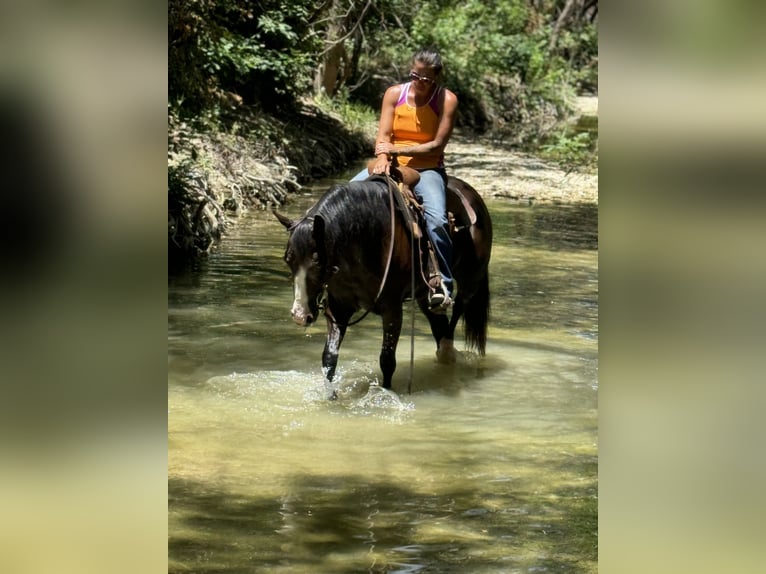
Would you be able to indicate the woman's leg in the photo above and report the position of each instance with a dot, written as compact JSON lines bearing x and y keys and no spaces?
{"x":362,"y":175}
{"x":431,"y":190}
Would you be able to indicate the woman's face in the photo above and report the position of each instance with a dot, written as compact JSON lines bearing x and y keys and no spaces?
{"x":423,"y":77}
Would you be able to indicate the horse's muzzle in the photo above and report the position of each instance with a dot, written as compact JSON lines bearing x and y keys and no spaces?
{"x":301,"y":317}
{"x":304,"y":321}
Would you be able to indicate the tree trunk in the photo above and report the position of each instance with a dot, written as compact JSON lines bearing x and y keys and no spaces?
{"x":343,"y":21}
{"x":564,"y":16}
{"x":329,"y":68}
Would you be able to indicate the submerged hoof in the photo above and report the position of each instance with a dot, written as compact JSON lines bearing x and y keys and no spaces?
{"x":446,"y":353}
{"x":332,"y":392}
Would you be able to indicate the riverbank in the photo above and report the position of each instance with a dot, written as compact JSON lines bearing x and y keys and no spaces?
{"x":496,"y":171}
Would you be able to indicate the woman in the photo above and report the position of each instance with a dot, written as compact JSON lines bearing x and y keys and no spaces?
{"x":416,"y":121}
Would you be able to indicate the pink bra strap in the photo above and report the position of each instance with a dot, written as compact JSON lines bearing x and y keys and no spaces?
{"x":403,"y":94}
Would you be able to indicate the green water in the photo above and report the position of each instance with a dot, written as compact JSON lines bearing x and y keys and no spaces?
{"x":490,"y":465}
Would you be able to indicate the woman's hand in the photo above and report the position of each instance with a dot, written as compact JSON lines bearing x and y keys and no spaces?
{"x":381,"y":164}
{"x":384,"y":147}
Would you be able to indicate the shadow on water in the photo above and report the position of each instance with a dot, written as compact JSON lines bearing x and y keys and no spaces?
{"x":349,"y":524}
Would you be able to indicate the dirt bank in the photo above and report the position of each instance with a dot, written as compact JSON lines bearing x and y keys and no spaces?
{"x":495,"y":171}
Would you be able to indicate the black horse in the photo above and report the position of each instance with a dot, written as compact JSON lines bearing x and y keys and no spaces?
{"x":341,"y":256}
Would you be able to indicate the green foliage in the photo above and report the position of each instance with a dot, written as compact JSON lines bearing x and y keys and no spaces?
{"x":262,"y":52}
{"x":571,"y":149}
{"x":474,"y":38}
{"x":355,"y":116}
{"x":580,"y":50}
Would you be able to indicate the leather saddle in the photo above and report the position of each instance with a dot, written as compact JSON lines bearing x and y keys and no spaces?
{"x":459,"y":211}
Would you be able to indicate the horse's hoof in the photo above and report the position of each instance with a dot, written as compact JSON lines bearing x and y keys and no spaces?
{"x":332,"y":392}
{"x":446,"y":353}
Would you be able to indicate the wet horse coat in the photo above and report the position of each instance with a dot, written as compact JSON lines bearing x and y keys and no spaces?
{"x":339,"y":250}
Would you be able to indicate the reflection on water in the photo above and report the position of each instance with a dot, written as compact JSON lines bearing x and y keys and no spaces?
{"x":490,"y":465}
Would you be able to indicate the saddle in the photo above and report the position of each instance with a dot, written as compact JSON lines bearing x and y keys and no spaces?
{"x":460,"y":214}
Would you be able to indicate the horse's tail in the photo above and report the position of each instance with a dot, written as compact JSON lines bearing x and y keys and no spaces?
{"x":476,"y":317}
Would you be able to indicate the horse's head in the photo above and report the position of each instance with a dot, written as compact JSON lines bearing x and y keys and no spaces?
{"x":305,"y":255}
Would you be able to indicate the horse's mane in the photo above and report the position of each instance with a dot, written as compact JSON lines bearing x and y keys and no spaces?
{"x":350,"y":208}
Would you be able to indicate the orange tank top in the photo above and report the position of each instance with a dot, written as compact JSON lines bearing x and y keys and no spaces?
{"x":417,"y":125}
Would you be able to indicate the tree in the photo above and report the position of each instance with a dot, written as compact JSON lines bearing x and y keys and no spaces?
{"x":574,"y":14}
{"x":343,"y":19}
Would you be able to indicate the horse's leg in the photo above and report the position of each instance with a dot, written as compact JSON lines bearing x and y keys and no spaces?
{"x":392,"y":328}
{"x":440,"y":329}
{"x":457,"y":313}
{"x":335,"y":334}
{"x":446,"y":352}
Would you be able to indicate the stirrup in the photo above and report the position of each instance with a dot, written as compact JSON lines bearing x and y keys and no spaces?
{"x":438,"y":301}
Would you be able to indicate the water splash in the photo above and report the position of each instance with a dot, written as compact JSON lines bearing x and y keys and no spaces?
{"x":289,"y":393}
{"x":381,"y":403}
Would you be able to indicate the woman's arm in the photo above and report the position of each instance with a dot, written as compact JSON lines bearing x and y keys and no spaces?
{"x":385,"y":129}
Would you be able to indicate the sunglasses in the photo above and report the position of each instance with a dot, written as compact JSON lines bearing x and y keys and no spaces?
{"x":416,"y":78}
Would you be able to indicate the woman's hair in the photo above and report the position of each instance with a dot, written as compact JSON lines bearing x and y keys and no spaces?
{"x":429,"y":57}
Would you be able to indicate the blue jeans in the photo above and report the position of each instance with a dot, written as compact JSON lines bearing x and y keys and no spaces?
{"x":431,"y":190}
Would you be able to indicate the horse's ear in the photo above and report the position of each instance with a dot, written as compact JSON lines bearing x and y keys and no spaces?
{"x":286,"y":221}
{"x":317,"y":232}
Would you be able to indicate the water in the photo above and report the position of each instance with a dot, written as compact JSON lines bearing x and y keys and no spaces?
{"x":490,"y":465}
